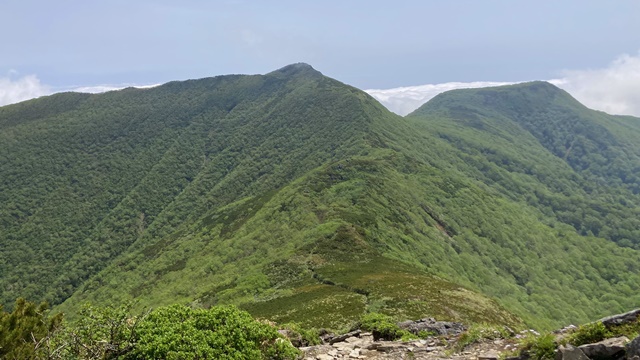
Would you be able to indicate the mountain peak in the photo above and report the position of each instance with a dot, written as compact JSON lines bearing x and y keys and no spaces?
{"x":517,"y":97}
{"x":297,"y":68}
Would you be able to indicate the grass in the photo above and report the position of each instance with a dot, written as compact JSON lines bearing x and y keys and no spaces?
{"x":480,"y":332}
{"x":539,"y":347}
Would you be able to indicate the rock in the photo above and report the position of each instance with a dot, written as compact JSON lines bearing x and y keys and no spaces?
{"x":607,"y":349}
{"x":489,"y":356}
{"x":324,"y":357}
{"x":431,"y":325}
{"x":325,"y":335}
{"x":343,"y":337}
{"x":566,"y":329}
{"x":620,"y":319}
{"x":570,"y":352}
{"x":352,"y":339}
{"x":389,"y":347}
{"x":523,"y":356}
{"x":633,"y":349}
{"x":354,"y":354}
{"x":373,"y":346}
{"x":313,"y":351}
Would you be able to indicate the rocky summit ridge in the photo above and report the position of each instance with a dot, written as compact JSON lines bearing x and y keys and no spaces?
{"x":451,"y":341}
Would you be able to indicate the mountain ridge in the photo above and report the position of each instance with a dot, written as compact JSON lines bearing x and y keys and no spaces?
{"x":244,"y":188}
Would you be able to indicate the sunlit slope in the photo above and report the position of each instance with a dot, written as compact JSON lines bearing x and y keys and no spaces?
{"x":588,"y":161}
{"x":302,"y":199}
{"x":86,"y":176}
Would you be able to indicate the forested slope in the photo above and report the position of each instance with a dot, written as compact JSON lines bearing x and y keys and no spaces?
{"x":87,"y":177}
{"x":303,"y":199}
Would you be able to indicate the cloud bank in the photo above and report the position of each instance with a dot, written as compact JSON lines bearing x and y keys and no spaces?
{"x":104,"y":88}
{"x":614,"y":89}
{"x":404,"y":100}
{"x":14,"y":90}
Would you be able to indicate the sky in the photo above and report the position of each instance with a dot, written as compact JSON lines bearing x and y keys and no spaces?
{"x":411,"y":49}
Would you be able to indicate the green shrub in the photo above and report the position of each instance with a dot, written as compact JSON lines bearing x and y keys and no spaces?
{"x":541,"y":347}
{"x":630,"y":330}
{"x":301,"y":336}
{"x":589,"y":333}
{"x":179,"y":332}
{"x":383,"y":327}
{"x":99,"y":333}
{"x":25,"y":331}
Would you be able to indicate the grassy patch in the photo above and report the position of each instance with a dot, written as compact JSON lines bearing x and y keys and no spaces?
{"x":317,"y":305}
{"x":478,"y":333}
{"x":539,"y":347}
{"x":383,"y":327}
{"x":589,"y":333}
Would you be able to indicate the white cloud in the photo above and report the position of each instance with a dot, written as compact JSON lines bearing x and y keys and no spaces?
{"x":104,"y":88}
{"x":14,"y":90}
{"x":404,"y":100}
{"x":614,"y":89}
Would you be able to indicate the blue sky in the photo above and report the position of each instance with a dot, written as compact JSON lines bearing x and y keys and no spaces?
{"x":54,"y":45}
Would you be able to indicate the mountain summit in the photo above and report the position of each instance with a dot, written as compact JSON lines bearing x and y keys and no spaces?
{"x":300,"y":198}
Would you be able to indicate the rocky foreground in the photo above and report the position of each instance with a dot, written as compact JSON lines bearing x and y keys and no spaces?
{"x":442,"y":345}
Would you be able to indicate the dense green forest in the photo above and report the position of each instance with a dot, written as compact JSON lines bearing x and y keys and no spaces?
{"x":299,"y":198}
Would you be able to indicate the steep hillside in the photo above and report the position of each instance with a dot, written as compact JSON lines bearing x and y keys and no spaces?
{"x":302,"y":199}
{"x":86,"y":176}
{"x":551,"y":129}
{"x":167,"y":194}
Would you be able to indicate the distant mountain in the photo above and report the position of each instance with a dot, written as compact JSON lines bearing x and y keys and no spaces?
{"x":302,"y":199}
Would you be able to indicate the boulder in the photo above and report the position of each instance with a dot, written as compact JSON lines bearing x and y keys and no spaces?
{"x":491,"y":355}
{"x":431,"y":325}
{"x":633,"y":349}
{"x":621,"y":319}
{"x":608,"y":349}
{"x":343,"y":337}
{"x":314,"y":351}
{"x":570,"y":352}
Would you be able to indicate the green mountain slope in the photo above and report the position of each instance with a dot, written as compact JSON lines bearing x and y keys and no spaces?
{"x":88,"y":179}
{"x":599,"y":197}
{"x":302,"y":199}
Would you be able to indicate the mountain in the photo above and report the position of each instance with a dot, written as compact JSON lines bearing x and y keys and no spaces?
{"x":302,"y":199}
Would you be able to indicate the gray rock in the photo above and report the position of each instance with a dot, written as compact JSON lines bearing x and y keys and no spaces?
{"x":489,"y":356}
{"x":570,"y":352}
{"x":373,"y":346}
{"x":523,"y":356}
{"x":389,"y":347}
{"x":431,"y":325}
{"x":608,"y":349}
{"x":324,"y":357}
{"x":620,"y":319}
{"x":633,"y":349}
{"x":338,"y":338}
{"x":313,"y":351}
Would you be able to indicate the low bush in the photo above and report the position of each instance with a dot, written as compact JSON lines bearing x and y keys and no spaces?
{"x":179,"y":332}
{"x":589,"y":333}
{"x":539,"y":347}
{"x":383,"y":327}
{"x":300,"y":336}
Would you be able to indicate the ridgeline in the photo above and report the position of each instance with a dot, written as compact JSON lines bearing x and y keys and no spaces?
{"x":299,"y":198}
